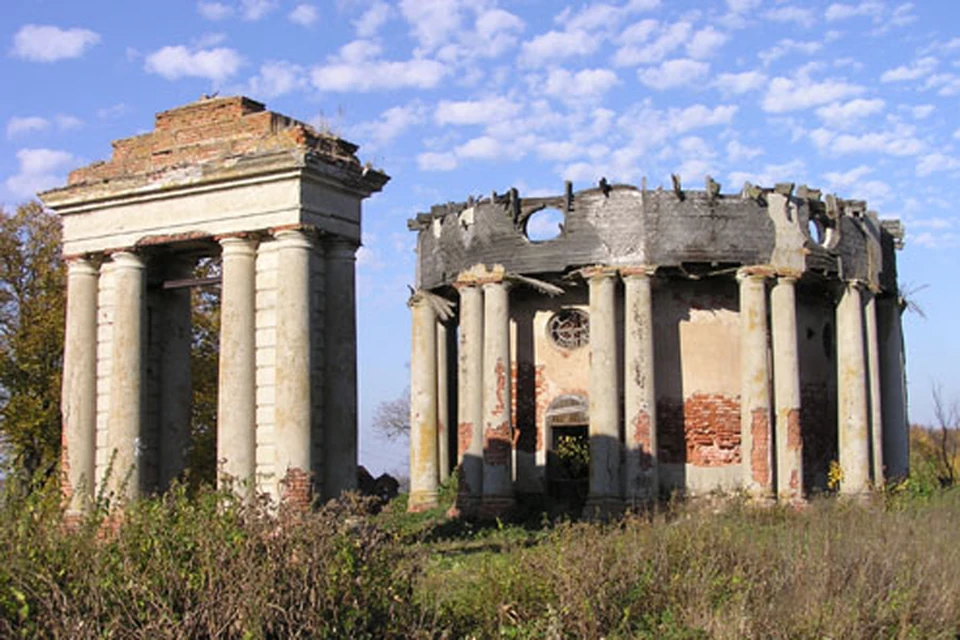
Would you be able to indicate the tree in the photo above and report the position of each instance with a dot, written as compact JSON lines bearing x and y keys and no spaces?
{"x":392,"y":417}
{"x":32,"y":309}
{"x":204,"y":365}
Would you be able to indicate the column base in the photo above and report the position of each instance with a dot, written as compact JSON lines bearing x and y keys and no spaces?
{"x":603,"y":508}
{"x":420,"y":501}
{"x":492,"y":507}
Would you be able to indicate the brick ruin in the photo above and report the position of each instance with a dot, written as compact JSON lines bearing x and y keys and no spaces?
{"x":279,"y":204}
{"x":690,"y":340}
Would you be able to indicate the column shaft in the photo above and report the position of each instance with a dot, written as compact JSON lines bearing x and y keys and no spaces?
{"x":639,"y":393}
{"x":293,"y":396}
{"x":873,"y":390}
{"x":497,"y":423}
{"x":443,"y":402}
{"x":236,"y":399}
{"x":340,"y":368}
{"x":126,"y":384}
{"x":754,"y":386}
{"x":79,"y":404}
{"x":470,"y":396}
{"x":786,"y":376}
{"x":896,"y":450}
{"x":605,"y":478}
{"x":853,"y":420}
{"x":423,"y":405}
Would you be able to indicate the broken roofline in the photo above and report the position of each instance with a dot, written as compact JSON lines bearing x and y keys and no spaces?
{"x":790,"y":229}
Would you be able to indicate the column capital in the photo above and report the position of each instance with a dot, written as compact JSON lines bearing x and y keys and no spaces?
{"x":479,"y":274}
{"x":638,"y":271}
{"x":296,"y":236}
{"x":599,"y":272}
{"x":340,"y":246}
{"x":755,"y":272}
{"x":81,"y":266}
{"x":127,"y":259}
{"x":240,"y":244}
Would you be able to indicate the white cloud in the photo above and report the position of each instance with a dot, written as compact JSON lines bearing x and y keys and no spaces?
{"x":800,"y":92}
{"x":304,"y":15}
{"x":840,"y":11}
{"x":920,"y":68}
{"x":175,"y":62}
{"x":486,"y":111}
{"x":787,"y":46}
{"x":844,"y":115}
{"x":113,"y":111}
{"x":585,"y":84}
{"x":738,"y":83}
{"x":901,"y":140}
{"x":737,"y":152}
{"x":800,"y":16}
{"x":561,"y":151}
{"x":484,"y":148}
{"x":935,"y":162}
{"x":771,"y":174}
{"x":921,"y":111}
{"x":705,"y":42}
{"x":673,"y":73}
{"x":276,"y":79}
{"x":742,"y":6}
{"x":432,"y":22}
{"x":552,"y":46}
{"x":40,"y":169}
{"x":434,"y":161}
{"x":368,"y":24}
{"x":841,"y":180}
{"x":254,"y":10}
{"x":46,"y":43}
{"x":637,"y":50}
{"x":698,"y":115}
{"x":956,"y":134}
{"x":357,"y":69}
{"x":392,"y":123}
{"x":18,"y":126}
{"x":215,"y":10}
{"x":947,"y":84}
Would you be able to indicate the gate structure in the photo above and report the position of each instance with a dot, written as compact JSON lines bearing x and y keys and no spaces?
{"x":280,"y":203}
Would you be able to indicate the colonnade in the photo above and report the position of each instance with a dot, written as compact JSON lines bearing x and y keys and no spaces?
{"x":624,"y":468}
{"x":287,"y":370}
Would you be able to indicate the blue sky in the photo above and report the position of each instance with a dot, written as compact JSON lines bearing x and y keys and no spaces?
{"x":460,"y":97}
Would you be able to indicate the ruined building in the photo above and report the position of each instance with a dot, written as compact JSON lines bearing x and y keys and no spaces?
{"x":280,"y":204}
{"x":663,"y":340}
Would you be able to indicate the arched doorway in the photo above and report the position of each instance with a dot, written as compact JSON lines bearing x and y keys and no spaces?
{"x":568,"y":452}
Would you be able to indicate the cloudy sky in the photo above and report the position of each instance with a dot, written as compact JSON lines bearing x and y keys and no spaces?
{"x":461,"y":97}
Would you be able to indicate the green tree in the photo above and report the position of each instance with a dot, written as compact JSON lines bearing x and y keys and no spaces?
{"x":32,"y":307}
{"x":204,"y":364}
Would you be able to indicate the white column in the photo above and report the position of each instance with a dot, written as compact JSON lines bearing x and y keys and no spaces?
{"x":896,"y":449}
{"x":639,"y":393}
{"x":340,"y":368}
{"x":79,"y":404}
{"x":755,"y":438}
{"x":786,"y":390}
{"x":423,"y":405}
{"x":873,"y":389}
{"x":853,"y":419}
{"x":497,"y":423}
{"x":236,"y":398}
{"x":470,"y":396}
{"x":126,"y":383}
{"x":443,"y":402}
{"x":605,"y":475}
{"x":293,"y":400}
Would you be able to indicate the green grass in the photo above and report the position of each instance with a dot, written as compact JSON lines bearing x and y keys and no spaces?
{"x":205,"y":566}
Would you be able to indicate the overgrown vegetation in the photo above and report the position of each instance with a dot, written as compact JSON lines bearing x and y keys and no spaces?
{"x":209,"y":567}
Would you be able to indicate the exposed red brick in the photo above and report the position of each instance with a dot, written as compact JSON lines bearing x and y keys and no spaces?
{"x":464,"y":437}
{"x":65,"y":489}
{"x":760,"y":449}
{"x":295,"y":488}
{"x":641,"y":435}
{"x":794,"y":439}
{"x":497,"y":445}
{"x":703,"y":430}
{"x":501,"y":373}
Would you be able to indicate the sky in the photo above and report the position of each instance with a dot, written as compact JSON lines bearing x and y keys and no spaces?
{"x":461,"y":97}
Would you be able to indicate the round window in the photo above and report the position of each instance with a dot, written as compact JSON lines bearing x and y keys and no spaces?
{"x":569,"y":328}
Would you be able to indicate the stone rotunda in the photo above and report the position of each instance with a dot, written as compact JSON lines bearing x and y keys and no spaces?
{"x":661,"y":340}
